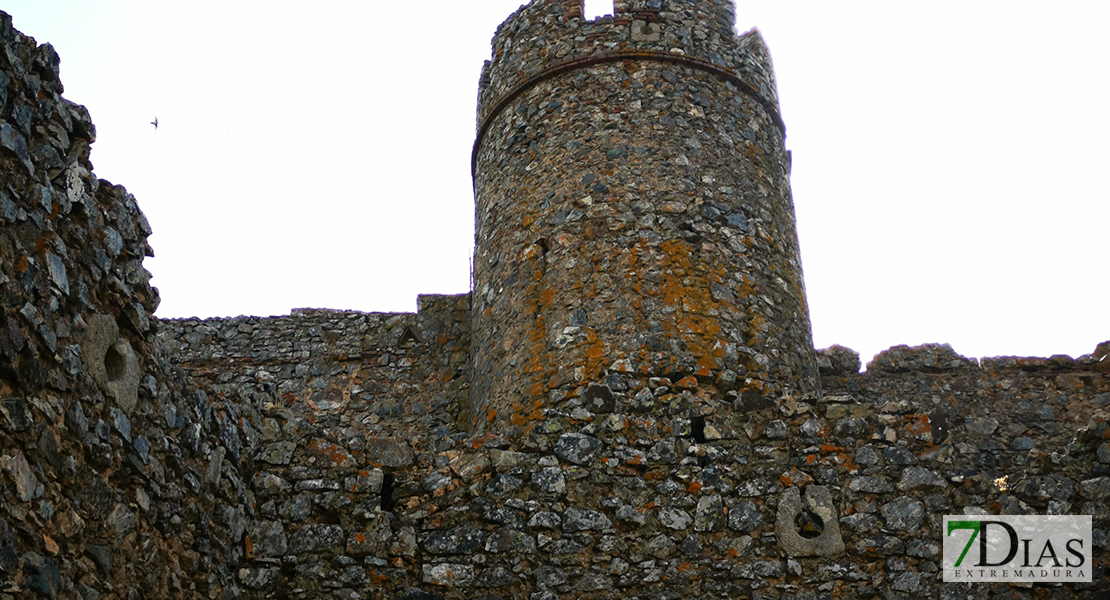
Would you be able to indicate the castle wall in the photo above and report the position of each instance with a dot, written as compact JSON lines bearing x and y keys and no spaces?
{"x":634,"y":214}
{"x":608,"y":499}
{"x":400,"y":368}
{"x":116,"y":479}
{"x":325,"y":454}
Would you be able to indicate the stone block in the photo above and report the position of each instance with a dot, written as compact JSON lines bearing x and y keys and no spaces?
{"x":808,"y":525}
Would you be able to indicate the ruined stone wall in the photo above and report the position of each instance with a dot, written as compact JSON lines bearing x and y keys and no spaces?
{"x":325,"y":454}
{"x":611,"y":497}
{"x":633,"y":211}
{"x":116,"y":479}
{"x":341,"y":406}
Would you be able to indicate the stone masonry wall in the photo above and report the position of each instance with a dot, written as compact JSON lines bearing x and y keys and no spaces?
{"x":633,"y":211}
{"x":327,"y":454}
{"x":117,"y":480}
{"x":339,"y":405}
{"x":614,"y":497}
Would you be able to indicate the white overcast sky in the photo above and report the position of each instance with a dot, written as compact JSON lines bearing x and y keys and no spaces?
{"x":950,"y":157}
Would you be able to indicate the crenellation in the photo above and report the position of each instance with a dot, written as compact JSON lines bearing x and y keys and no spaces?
{"x":627,"y":405}
{"x":544,"y":36}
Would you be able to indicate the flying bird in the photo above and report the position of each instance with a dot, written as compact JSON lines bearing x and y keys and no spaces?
{"x":155,"y":123}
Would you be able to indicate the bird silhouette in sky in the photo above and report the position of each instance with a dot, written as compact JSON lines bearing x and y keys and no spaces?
{"x":155,"y":123}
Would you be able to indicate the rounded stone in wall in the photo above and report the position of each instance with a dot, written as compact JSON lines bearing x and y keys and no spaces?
{"x":808,"y":526}
{"x":111,"y":361}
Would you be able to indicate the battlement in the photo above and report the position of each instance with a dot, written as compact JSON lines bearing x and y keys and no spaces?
{"x":548,"y":37}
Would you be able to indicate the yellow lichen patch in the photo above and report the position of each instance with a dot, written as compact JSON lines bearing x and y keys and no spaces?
{"x":547,"y":296}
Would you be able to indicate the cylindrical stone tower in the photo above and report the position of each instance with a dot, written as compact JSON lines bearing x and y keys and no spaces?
{"x":634,"y":217}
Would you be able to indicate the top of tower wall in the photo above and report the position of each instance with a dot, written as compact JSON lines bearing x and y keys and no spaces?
{"x":547,"y":35}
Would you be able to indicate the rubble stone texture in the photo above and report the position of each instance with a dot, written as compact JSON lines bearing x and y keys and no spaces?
{"x":633,"y":210}
{"x":661,"y":426}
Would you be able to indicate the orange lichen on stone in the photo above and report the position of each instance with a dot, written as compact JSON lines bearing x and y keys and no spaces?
{"x":918,"y":425}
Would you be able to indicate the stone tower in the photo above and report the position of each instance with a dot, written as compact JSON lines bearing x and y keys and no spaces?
{"x":634,"y":211}
{"x":634,"y":217}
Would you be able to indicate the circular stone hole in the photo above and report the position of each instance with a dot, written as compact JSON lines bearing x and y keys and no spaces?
{"x":809,"y":524}
{"x":114,"y":363}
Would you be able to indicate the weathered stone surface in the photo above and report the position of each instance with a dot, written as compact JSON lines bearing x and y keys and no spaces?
{"x":17,"y":417}
{"x":41,"y":574}
{"x":870,"y":485}
{"x":919,"y":478}
{"x":389,"y":453}
{"x":838,"y":360}
{"x":577,"y":448}
{"x":417,"y":594}
{"x":758,"y":487}
{"x":710,"y":514}
{"x":880,"y":546}
{"x":650,"y":330}
{"x":776,"y":430}
{"x":368,"y":541}
{"x":927,"y":357}
{"x":673,"y":518}
{"x":510,"y":540}
{"x":460,"y":540}
{"x":808,"y":526}
{"x":584,"y":520}
{"x":316,"y":538}
{"x":633,"y":234}
{"x":257,"y":578}
{"x":546,"y":520}
{"x":550,"y":480}
{"x":745,"y":517}
{"x":111,"y":361}
{"x":102,"y":557}
{"x":904,"y":514}
{"x":266,"y":539}
{"x":448,"y":574}
{"x":277,"y":453}
{"x":267,"y":484}
{"x":660,"y":547}
{"x":122,"y":520}
{"x":366,"y":482}
{"x":469,"y":466}
{"x":19,"y":469}
{"x":1095,"y":489}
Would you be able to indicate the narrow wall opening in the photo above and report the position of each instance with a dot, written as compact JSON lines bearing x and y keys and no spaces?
{"x":697,"y":429}
{"x":809,"y":524}
{"x":597,"y":8}
{"x":387,"y":492}
{"x":115,"y":363}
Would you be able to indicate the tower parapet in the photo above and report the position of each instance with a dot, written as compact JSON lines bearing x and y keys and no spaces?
{"x":548,"y":34}
{"x":633,"y":213}
{"x":548,"y":37}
